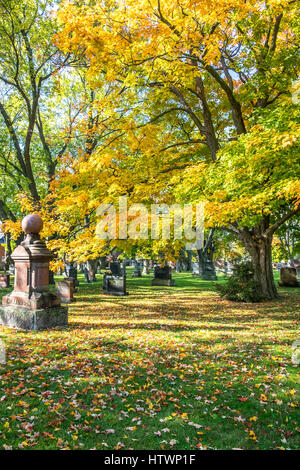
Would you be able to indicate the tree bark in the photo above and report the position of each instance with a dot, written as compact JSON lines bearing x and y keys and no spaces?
{"x":205,"y":259}
{"x":258,"y":242}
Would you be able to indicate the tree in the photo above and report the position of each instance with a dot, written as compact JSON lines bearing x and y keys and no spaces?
{"x":33,"y":122}
{"x":286,"y":243}
{"x":254,"y":188}
{"x":199,"y":72}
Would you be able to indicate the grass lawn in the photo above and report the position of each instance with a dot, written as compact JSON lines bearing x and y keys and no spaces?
{"x":164,"y":368}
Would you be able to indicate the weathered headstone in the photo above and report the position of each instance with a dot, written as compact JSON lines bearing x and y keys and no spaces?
{"x":11,"y":269}
{"x":31,"y":305}
{"x":146,"y":269}
{"x":91,"y":266}
{"x":71,"y":271}
{"x":162,"y":276}
{"x":179,"y":266}
{"x":114,"y":283}
{"x":65,"y":290}
{"x":4,"y":281}
{"x":288,"y":277}
{"x":86,"y":274}
{"x":137,"y":269}
{"x":195,"y":269}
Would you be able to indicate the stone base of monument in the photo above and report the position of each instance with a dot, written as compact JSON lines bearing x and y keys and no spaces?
{"x":162,"y":282}
{"x":26,"y":319}
{"x":33,"y":301}
{"x":114,"y":285}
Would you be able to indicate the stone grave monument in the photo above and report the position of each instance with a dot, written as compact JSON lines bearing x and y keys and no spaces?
{"x":137,"y":269}
{"x":31,"y":305}
{"x":71,"y":272}
{"x":114,"y":283}
{"x":146,"y":269}
{"x":92,"y":266}
{"x":4,"y":281}
{"x":288,"y":277}
{"x":65,"y":290}
{"x":162,"y":276}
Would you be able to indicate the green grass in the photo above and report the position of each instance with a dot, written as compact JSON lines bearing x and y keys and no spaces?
{"x":164,"y":368}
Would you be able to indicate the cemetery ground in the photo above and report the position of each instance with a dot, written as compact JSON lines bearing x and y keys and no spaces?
{"x":163,"y":368}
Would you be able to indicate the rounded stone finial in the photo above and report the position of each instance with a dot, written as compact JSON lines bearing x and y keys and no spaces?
{"x":32,"y":223}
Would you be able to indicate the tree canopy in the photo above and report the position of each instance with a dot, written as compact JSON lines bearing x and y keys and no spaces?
{"x":182,"y":103}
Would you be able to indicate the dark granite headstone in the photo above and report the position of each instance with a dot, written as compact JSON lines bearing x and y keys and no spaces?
{"x":115,"y":268}
{"x":71,"y":271}
{"x":162,"y":276}
{"x":115,"y":283}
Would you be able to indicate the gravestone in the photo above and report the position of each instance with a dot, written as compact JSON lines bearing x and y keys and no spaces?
{"x":179,"y":266}
{"x":71,"y":271}
{"x":206,"y":271}
{"x":145,"y":267}
{"x":65,"y":290}
{"x":137,"y":269}
{"x":91,"y":266}
{"x":86,"y":274}
{"x":31,"y":305}
{"x":4,"y":281}
{"x":114,"y":282}
{"x":51,"y":278}
{"x":195,"y":269}
{"x":288,"y":277}
{"x":162,"y":276}
{"x":11,"y":269}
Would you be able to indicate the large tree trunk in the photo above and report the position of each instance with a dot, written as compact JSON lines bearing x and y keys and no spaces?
{"x":259,"y":245}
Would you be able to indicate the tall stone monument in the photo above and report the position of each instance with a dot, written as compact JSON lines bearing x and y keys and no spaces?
{"x":31,"y":305}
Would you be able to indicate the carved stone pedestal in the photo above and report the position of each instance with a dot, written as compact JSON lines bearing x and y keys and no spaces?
{"x":31,"y":305}
{"x":35,"y":319}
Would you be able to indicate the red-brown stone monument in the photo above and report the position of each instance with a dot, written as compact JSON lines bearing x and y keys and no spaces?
{"x":31,"y":305}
